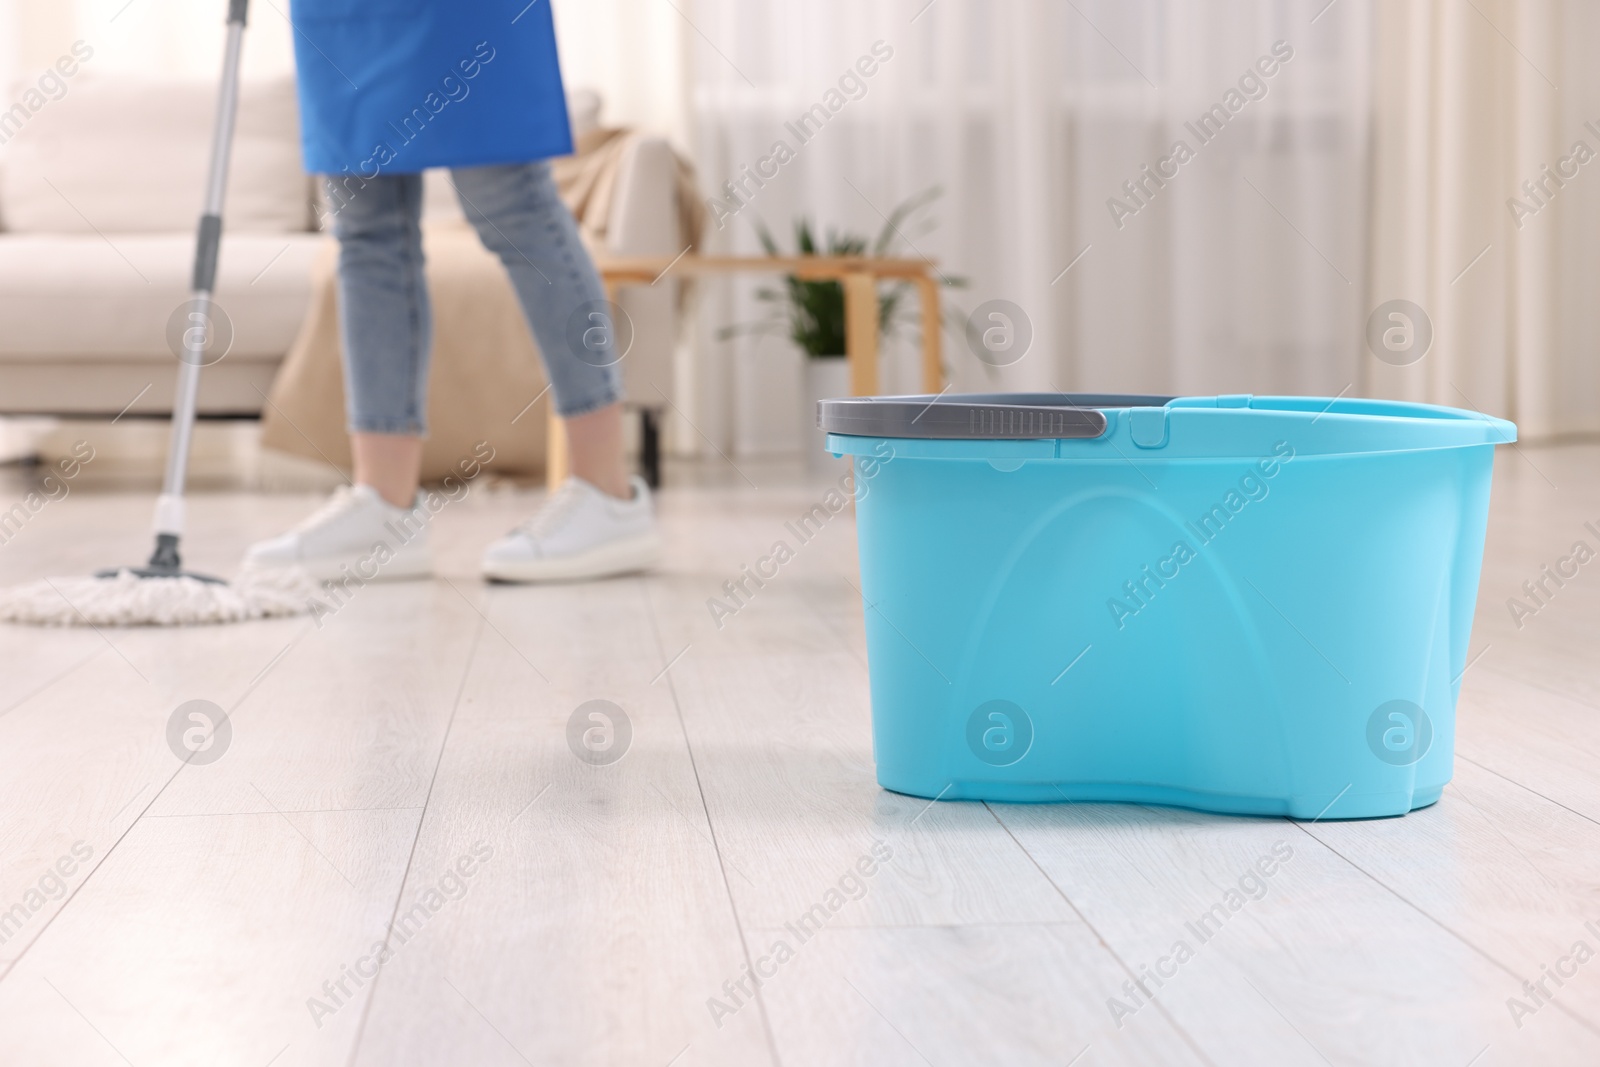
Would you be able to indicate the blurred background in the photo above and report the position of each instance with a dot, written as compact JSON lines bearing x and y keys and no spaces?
{"x":1425,"y":151}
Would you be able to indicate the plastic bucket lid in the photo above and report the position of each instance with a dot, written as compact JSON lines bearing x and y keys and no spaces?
{"x":1169,"y":427}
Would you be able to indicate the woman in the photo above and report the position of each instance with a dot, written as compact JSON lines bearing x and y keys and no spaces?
{"x":388,"y":88}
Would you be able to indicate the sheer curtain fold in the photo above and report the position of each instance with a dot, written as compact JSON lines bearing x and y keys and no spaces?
{"x":1374,"y":164}
{"x":1473,"y":101}
{"x":1243,"y":271}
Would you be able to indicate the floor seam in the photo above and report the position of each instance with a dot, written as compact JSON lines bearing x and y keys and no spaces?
{"x":1527,"y":788}
{"x":89,"y":876}
{"x":1188,"y":1039}
{"x":96,"y":654}
{"x":135,"y":821}
{"x":422,"y":817}
{"x":285,"y":811}
{"x":1517,"y":679}
{"x":716,"y":844}
{"x":1579,"y":1019}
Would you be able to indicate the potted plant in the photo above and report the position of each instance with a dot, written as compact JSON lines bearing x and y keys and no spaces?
{"x":810,"y":312}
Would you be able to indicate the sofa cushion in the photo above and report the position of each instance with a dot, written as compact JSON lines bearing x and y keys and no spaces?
{"x":121,"y":154}
{"x":77,"y":296}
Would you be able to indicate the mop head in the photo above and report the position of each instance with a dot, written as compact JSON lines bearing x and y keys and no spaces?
{"x":128,"y":600}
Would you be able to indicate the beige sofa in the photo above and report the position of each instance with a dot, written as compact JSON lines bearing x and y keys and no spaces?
{"x":99,"y":194}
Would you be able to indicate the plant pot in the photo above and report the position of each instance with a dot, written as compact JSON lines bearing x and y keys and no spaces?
{"x":824,"y":378}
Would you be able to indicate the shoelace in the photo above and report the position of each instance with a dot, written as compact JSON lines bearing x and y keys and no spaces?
{"x":554,"y":511}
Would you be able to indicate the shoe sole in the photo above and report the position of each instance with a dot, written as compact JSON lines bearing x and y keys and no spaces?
{"x":608,"y":560}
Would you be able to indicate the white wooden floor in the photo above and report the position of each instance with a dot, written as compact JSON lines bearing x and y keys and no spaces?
{"x":213,"y":911}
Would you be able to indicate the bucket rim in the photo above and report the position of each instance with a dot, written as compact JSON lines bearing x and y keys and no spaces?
{"x":1084,"y":416}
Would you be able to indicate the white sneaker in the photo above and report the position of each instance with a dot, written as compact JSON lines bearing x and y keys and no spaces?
{"x":356,"y":533}
{"x":580,"y":532}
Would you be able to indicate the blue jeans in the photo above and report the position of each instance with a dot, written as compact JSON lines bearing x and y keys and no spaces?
{"x":385,"y":320}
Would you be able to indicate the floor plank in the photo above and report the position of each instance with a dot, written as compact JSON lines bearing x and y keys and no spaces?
{"x":200,"y":940}
{"x":351,"y":716}
{"x":1313,"y":948}
{"x":602,"y":923}
{"x":84,"y":758}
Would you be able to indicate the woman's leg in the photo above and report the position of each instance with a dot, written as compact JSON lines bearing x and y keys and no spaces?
{"x":374,"y":529}
{"x":520,"y":217}
{"x":386,"y":327}
{"x":594,"y":446}
{"x":389,"y":462}
{"x":600,"y":521}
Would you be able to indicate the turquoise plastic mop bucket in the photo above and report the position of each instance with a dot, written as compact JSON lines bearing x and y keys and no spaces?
{"x":1243,"y":604}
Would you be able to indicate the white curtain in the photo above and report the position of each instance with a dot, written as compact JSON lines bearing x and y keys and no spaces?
{"x":1381,"y":164}
{"x":1473,"y":101}
{"x":1244,"y":271}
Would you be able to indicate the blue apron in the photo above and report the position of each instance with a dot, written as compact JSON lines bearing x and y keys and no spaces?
{"x":396,"y":86}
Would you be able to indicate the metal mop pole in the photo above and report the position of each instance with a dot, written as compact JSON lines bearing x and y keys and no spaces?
{"x":169,"y":514}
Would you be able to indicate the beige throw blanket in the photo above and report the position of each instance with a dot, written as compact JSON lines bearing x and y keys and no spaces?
{"x":485,"y":372}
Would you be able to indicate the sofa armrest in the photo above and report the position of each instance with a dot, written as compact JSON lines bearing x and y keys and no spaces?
{"x":644,"y":222}
{"x":644,"y":212}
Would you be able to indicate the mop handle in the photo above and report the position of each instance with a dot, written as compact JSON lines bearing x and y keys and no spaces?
{"x":169,"y":505}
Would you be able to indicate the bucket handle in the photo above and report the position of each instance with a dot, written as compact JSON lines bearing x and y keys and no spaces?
{"x":978,"y":416}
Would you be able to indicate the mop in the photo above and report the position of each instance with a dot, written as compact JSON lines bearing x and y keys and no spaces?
{"x":162,"y":593}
